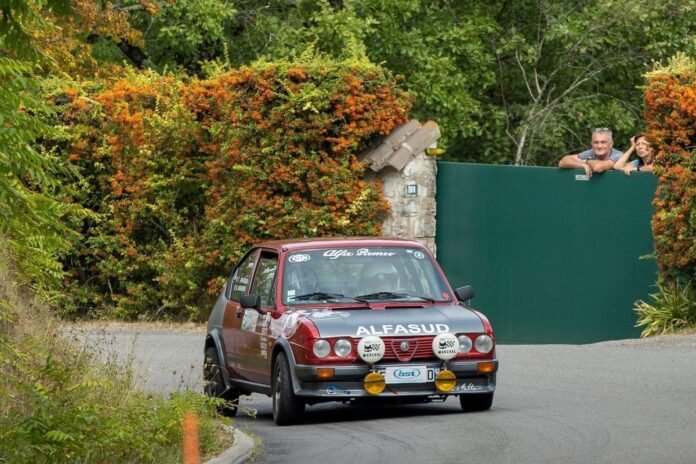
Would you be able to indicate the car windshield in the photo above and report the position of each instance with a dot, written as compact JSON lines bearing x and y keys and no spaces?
{"x":361,"y":274}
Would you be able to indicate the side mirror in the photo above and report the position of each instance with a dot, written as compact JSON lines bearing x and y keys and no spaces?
{"x":464,"y":293}
{"x":251,"y":301}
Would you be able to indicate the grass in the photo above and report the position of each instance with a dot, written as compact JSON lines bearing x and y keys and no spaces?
{"x":60,"y":404}
{"x":163,"y":325}
{"x":671,"y":311}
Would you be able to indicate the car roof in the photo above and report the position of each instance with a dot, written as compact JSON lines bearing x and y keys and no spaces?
{"x":326,"y":242}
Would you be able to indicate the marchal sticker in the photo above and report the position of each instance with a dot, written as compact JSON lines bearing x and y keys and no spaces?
{"x":371,"y":349}
{"x":445,"y":346}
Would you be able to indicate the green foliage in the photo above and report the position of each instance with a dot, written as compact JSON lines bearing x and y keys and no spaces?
{"x":186,"y":33}
{"x":30,"y":212}
{"x":183,"y":176}
{"x":18,"y":18}
{"x":673,"y":308}
{"x":518,"y":82}
{"x":515,"y":82}
{"x":59,"y":411}
{"x":671,"y":118}
{"x":564,"y":68}
{"x":61,"y":405}
{"x":440,"y":48}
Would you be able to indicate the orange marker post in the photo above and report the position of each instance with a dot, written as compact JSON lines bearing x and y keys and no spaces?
{"x":191,"y":444}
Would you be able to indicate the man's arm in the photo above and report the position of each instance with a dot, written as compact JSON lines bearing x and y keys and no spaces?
{"x":574,"y":162}
{"x":600,"y":166}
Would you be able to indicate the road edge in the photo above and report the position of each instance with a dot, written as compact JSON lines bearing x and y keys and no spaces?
{"x":240,"y":451}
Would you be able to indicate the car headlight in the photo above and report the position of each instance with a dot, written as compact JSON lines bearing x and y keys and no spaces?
{"x":342,"y":347}
{"x":464,"y":344}
{"x":321,"y":348}
{"x":483,"y":344}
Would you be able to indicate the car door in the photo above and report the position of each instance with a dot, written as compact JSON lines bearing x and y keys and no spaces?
{"x":239,"y":284}
{"x":253,"y":342}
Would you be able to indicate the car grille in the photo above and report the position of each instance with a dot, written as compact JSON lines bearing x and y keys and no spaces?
{"x":419,"y":348}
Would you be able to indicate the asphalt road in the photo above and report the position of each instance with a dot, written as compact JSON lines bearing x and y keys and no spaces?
{"x":631,"y":401}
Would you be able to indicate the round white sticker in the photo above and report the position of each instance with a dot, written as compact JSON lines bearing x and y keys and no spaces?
{"x":371,"y":349}
{"x":445,"y":346}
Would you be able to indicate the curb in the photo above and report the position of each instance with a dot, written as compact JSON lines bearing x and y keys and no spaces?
{"x":239,"y":452}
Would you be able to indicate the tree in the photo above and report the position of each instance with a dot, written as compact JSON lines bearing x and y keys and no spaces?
{"x":30,"y":227}
{"x":565,"y":67}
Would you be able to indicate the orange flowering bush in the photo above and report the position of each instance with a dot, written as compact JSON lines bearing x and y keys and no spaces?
{"x":185,"y":175}
{"x":670,"y":115}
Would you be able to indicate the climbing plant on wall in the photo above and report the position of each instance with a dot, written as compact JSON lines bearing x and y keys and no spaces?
{"x":670,"y":114}
{"x":185,"y":175}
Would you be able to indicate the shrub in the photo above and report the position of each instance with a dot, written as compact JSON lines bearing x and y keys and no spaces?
{"x":61,"y":406}
{"x":185,"y":175}
{"x":670,"y":115}
{"x":673,"y":308}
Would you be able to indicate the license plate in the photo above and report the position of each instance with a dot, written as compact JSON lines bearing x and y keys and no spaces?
{"x":409,"y":374}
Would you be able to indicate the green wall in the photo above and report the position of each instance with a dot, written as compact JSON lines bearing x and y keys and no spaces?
{"x":551,"y":259}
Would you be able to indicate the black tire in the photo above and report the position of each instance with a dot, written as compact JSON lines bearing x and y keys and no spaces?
{"x":287,"y":407}
{"x":476,"y":401}
{"x":214,"y":384}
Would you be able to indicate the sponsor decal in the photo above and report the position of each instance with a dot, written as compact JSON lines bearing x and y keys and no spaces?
{"x":371,"y":349}
{"x":445,"y":346}
{"x":467,"y":387}
{"x":419,"y":255}
{"x":401,"y":329}
{"x":407,"y":373}
{"x":290,"y":322}
{"x":328,"y":314}
{"x":367,"y":252}
{"x":249,"y":320}
{"x":335,"y":390}
{"x":299,"y":258}
{"x":338,"y":253}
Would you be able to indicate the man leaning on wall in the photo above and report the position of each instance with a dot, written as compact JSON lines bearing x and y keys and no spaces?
{"x":601,"y":157}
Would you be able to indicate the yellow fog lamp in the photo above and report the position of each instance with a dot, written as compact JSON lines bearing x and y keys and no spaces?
{"x":374,"y":383}
{"x":445,"y":380}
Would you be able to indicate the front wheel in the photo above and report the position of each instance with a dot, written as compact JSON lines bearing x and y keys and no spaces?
{"x":214,"y":384}
{"x":476,"y":401}
{"x":287,"y":407}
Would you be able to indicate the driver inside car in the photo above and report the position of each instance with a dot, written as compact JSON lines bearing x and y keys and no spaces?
{"x":379,"y":276}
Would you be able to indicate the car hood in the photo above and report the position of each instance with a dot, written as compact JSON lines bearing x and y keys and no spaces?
{"x":395,"y":322}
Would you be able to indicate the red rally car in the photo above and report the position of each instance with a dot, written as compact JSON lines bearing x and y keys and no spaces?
{"x":314,"y":320}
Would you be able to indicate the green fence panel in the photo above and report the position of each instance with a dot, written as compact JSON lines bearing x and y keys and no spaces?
{"x":552,"y":259}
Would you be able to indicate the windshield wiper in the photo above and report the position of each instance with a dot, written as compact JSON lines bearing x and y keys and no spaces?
{"x":390,"y":296}
{"x":322,"y":296}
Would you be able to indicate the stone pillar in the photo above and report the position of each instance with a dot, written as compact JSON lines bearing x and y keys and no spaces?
{"x":411,"y":195}
{"x":408,"y":174}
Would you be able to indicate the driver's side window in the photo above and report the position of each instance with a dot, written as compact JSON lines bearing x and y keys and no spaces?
{"x":239,"y":283}
{"x":265,"y":279}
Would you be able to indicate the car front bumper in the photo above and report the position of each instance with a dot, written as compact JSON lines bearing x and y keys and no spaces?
{"x":347,"y":381}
